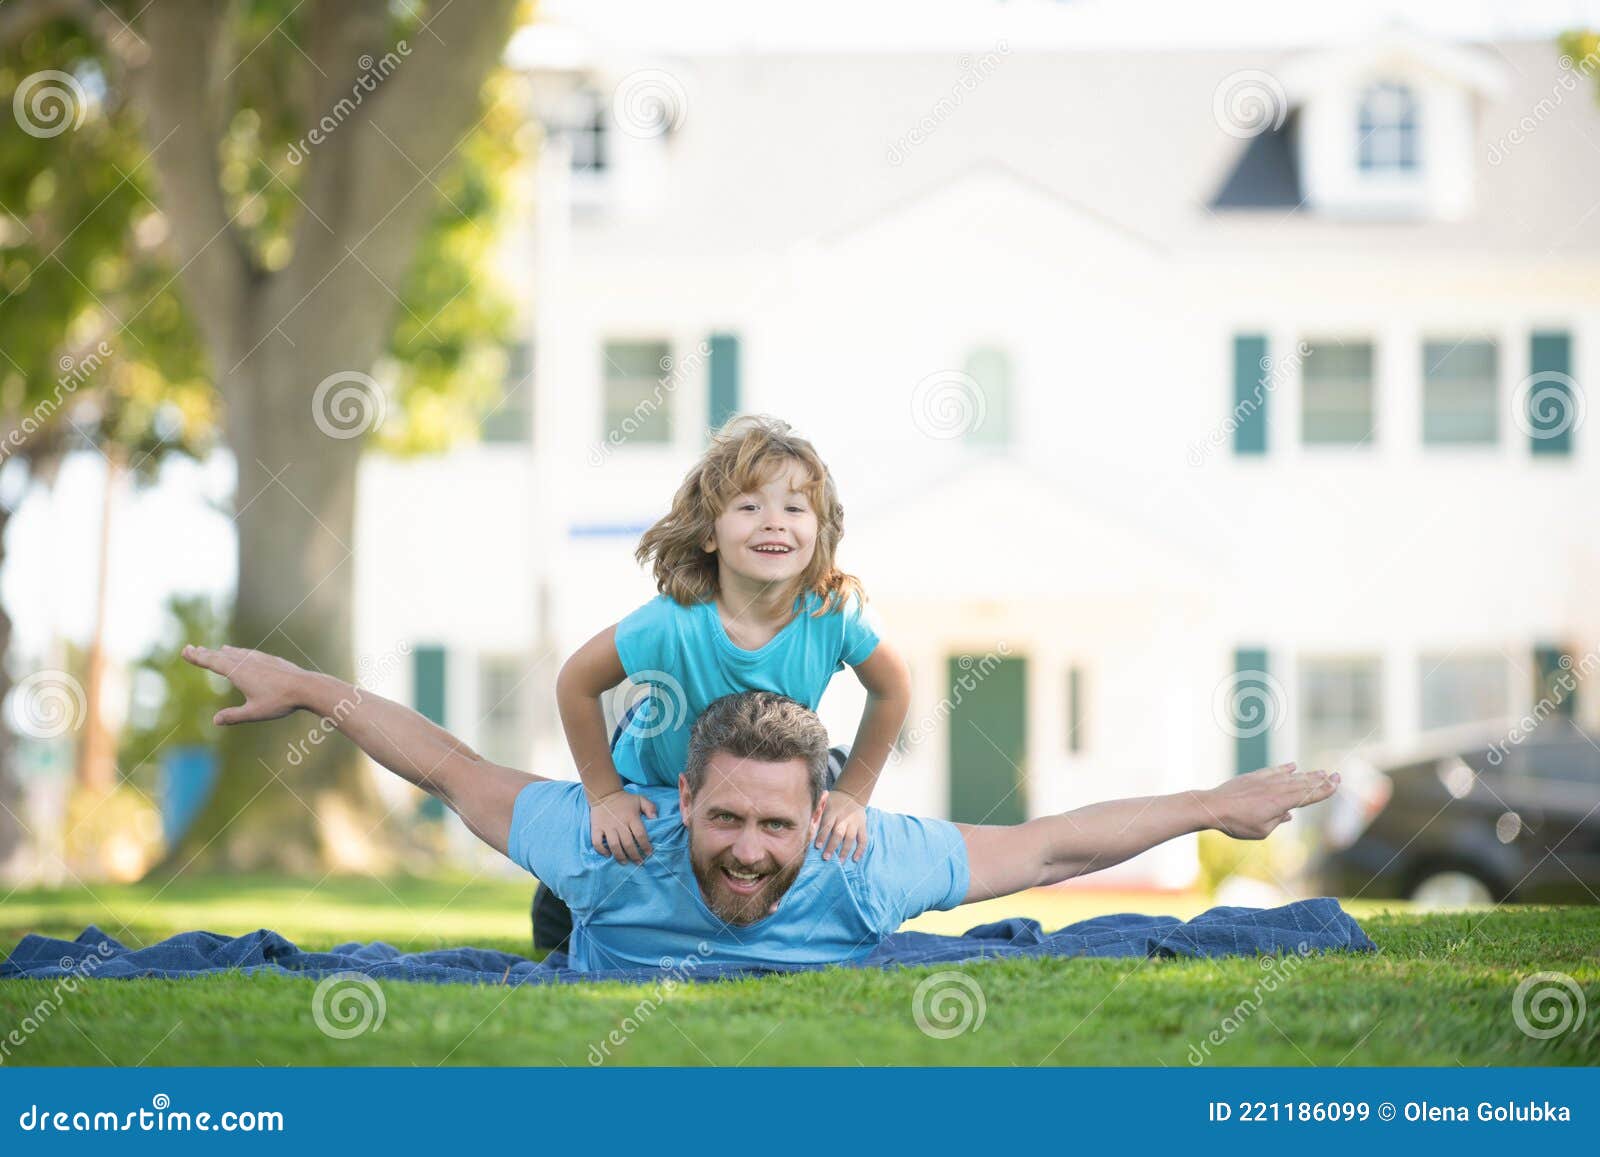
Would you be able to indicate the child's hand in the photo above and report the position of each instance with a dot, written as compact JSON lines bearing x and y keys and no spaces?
{"x":843,"y":826}
{"x":616,"y":829}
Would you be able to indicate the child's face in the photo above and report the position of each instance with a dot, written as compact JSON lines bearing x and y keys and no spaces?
{"x":769,"y":534}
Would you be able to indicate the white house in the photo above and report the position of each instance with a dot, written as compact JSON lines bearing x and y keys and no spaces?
{"x":1160,"y":386}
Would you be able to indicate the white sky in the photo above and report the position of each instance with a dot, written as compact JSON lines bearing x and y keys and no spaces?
{"x":929,"y":24}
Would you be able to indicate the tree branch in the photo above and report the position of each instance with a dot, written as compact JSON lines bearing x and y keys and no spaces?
{"x":374,"y":179}
{"x":177,"y":83}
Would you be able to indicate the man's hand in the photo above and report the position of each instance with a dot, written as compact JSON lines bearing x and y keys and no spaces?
{"x":843,"y":826}
{"x":615,"y":826}
{"x":1249,"y":807}
{"x":272,"y":687}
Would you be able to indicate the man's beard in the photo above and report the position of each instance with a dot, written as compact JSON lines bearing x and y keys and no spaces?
{"x":729,"y":906}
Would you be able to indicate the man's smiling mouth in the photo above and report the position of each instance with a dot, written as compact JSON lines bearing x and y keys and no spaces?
{"x":744,"y":883}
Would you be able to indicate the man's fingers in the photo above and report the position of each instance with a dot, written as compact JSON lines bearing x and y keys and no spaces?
{"x":201,"y":657}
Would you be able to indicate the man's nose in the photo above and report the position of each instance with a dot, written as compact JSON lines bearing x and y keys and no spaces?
{"x":747,"y":848}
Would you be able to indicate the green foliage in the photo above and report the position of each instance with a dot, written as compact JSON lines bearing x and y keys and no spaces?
{"x":1222,"y":857}
{"x":81,"y":263}
{"x":1584,"y":49}
{"x":173,"y":700}
{"x":83,"y":255}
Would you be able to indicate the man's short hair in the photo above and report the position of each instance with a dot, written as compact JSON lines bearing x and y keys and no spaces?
{"x":759,"y":725}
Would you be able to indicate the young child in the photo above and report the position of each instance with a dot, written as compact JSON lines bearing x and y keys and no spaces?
{"x":750,"y":600}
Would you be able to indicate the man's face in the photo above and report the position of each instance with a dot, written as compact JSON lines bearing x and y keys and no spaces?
{"x":749,"y":828}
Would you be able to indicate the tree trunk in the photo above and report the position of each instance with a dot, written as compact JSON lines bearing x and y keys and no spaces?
{"x":97,"y":757}
{"x":291,"y":796}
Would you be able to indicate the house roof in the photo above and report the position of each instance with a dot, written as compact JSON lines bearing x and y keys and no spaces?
{"x":779,"y":150}
{"x":1470,"y":66}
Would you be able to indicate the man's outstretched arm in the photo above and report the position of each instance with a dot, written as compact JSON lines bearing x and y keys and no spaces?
{"x":1003,"y":860}
{"x":408,"y":744}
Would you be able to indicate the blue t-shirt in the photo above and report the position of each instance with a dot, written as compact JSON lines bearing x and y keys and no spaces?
{"x":653,"y":915}
{"x":686,"y":658}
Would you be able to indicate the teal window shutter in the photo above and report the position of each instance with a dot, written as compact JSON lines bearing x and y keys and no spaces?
{"x":1550,"y":402}
{"x":1250,"y":394}
{"x":427,"y":687}
{"x":1252,"y":748}
{"x":724,"y":402}
{"x":427,"y":696}
{"x":1556,"y":682}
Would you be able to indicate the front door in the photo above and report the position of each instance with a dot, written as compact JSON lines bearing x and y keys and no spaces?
{"x":988,"y":699}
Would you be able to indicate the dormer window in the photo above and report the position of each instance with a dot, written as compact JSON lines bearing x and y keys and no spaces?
{"x":583,"y":123}
{"x":1387,"y":128}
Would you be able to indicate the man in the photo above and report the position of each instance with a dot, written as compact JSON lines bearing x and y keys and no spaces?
{"x":734,"y":877}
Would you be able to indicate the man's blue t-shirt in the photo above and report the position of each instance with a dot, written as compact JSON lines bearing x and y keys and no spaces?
{"x":685,"y":656}
{"x":653,"y":914}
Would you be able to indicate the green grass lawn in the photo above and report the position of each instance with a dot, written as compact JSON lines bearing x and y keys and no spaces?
{"x":1440,"y":992}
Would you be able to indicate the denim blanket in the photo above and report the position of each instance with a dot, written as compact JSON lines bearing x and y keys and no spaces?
{"x":1302,"y":927}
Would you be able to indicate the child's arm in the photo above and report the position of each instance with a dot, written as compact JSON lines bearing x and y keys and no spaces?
{"x":888,"y":682}
{"x":615,"y":826}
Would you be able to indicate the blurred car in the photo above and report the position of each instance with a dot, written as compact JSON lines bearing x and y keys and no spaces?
{"x":1476,"y":822}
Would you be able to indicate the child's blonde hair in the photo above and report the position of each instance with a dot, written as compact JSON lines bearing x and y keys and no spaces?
{"x":743,"y":455}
